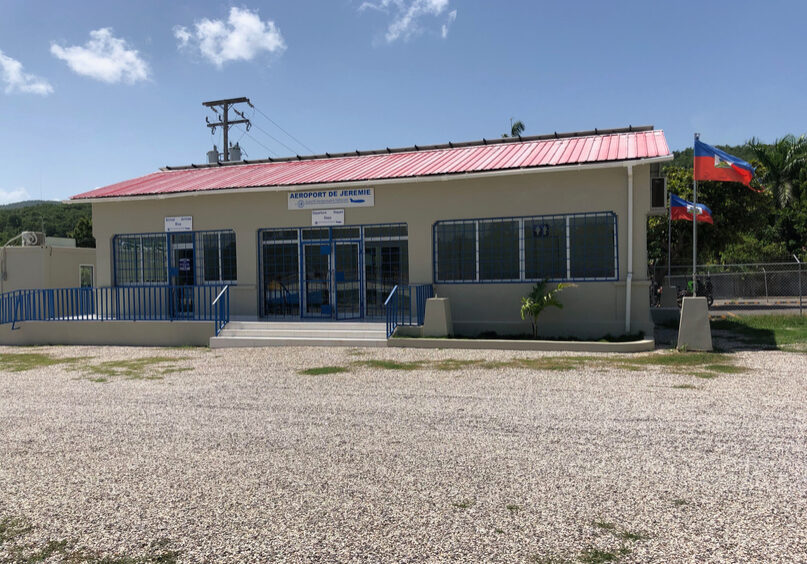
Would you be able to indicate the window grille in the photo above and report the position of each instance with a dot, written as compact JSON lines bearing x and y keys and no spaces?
{"x":189,"y":257}
{"x":557,"y":248}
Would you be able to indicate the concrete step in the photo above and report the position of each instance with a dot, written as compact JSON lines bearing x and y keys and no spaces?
{"x":320,"y":325}
{"x":301,"y":333}
{"x":221,"y":342}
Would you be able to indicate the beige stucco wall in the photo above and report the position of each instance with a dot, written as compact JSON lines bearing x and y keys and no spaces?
{"x":43,"y":267}
{"x":136,"y":333}
{"x":592,"y":309}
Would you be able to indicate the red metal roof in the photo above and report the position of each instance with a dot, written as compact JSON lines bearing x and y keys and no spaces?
{"x":464,"y":159}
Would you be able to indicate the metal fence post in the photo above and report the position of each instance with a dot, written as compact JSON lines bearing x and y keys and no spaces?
{"x":765,"y":278}
{"x":799,"y":263}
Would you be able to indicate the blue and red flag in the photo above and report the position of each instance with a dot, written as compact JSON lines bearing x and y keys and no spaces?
{"x":713,"y":164}
{"x":681,"y":209}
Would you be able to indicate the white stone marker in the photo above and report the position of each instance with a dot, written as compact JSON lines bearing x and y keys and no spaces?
{"x":694,"y":331}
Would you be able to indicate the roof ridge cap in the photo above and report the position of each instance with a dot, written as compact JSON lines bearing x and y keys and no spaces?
{"x":423,"y":148}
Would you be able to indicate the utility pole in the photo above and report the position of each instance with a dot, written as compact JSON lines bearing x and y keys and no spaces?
{"x":224,"y":119}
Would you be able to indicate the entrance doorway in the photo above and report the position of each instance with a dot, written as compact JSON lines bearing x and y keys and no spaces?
{"x":183,"y":277}
{"x":341,"y":273}
{"x":331,"y":274}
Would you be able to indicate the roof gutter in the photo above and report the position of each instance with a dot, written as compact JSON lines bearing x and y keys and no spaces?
{"x":378,"y":182}
{"x":629,"y":277}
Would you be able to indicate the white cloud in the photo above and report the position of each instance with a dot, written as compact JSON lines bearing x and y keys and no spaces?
{"x":407,"y":15}
{"x":11,"y":196}
{"x":182,"y":34}
{"x":452,"y":15}
{"x":241,"y":38}
{"x":104,"y":57}
{"x":11,"y":72}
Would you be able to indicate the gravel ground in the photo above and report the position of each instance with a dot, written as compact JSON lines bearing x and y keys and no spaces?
{"x":240,"y":458}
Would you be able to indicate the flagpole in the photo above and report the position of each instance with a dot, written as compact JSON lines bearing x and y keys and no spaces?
{"x":694,"y":228}
{"x":669,"y":236}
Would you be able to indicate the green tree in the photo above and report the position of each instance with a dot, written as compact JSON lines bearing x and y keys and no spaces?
{"x":82,"y":233}
{"x":750,"y":249}
{"x":736,"y":211}
{"x":782,"y":166}
{"x":57,"y":219}
{"x":516,"y":129}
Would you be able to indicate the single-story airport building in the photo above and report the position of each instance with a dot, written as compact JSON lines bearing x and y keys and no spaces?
{"x":329,"y":237}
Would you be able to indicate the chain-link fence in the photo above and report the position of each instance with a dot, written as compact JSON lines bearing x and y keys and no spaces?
{"x":774,"y":287}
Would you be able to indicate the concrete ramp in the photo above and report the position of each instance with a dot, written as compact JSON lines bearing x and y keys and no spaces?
{"x":300,"y":333}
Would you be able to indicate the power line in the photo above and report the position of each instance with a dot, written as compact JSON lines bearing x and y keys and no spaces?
{"x":259,"y":128}
{"x":271,"y":152}
{"x":303,"y":145}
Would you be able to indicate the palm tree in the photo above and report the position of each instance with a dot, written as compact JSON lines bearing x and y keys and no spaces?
{"x":538,"y":300}
{"x":783,"y":162}
{"x":516,"y":128}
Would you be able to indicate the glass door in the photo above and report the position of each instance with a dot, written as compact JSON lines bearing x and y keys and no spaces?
{"x":347,"y":280}
{"x":281,"y":273}
{"x":183,"y":277}
{"x":317,"y":280}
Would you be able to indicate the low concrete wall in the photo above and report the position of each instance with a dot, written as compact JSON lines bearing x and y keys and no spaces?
{"x":137,"y":333}
{"x":525,"y":345}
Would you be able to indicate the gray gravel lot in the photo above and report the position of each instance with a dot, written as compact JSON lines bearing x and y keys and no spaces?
{"x":243,"y":459}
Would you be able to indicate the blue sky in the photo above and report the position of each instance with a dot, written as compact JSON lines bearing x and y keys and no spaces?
{"x":93,"y":93}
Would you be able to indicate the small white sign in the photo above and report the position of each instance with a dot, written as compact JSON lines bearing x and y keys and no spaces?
{"x":328,"y":217}
{"x":326,"y":199}
{"x":179,"y":223}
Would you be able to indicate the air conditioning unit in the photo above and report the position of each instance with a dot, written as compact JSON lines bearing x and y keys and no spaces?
{"x":33,"y":239}
{"x":658,"y":196}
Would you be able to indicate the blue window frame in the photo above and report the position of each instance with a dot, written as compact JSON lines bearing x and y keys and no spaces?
{"x":187,"y":257}
{"x":568,"y":247}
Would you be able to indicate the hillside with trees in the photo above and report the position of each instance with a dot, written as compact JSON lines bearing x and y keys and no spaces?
{"x":54,"y":218}
{"x":749,"y":226}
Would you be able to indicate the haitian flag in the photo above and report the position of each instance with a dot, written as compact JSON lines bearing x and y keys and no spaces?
{"x":713,"y":164}
{"x":681,"y":209}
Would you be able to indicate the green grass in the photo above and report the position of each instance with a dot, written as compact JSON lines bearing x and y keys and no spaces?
{"x":147,"y":368}
{"x":512,"y":508}
{"x":725,"y":368}
{"x":786,"y":332}
{"x":684,"y":387}
{"x":22,"y":362}
{"x":449,"y":364}
{"x":11,"y":529}
{"x":604,"y":525}
{"x":630,"y":536}
{"x":18,"y":551}
{"x":699,"y":364}
{"x":542,"y":559}
{"x":694,"y":364}
{"x":389,"y":364}
{"x":674,"y":359}
{"x":597,"y":556}
{"x":51,"y":549}
{"x":323,"y":370}
{"x":552,"y":363}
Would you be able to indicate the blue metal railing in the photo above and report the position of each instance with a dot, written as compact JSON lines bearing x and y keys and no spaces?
{"x":221,"y":307}
{"x":130,"y":303}
{"x":406,"y":305}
